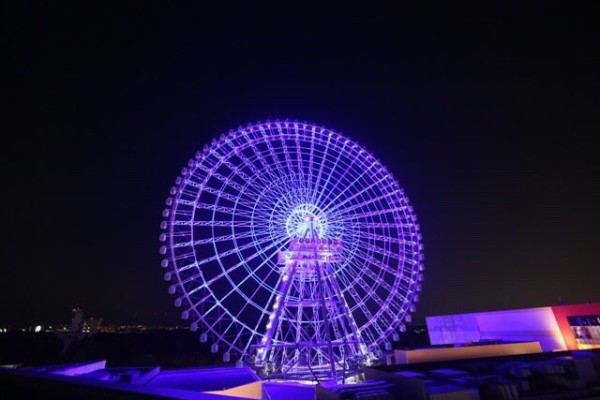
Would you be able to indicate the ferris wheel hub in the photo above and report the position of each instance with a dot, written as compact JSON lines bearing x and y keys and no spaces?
{"x":296,"y":222}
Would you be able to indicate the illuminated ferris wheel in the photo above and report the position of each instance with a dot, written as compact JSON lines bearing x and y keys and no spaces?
{"x":290,"y":247}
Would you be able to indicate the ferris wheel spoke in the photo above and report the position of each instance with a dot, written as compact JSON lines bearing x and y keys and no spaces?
{"x":220,"y":194}
{"x":357,"y":280}
{"x":384,"y":252}
{"x":235,"y":169}
{"x":376,"y":282}
{"x":230,"y":223}
{"x":277,"y":187}
{"x":226,"y":253}
{"x":248,"y":162}
{"x":360,"y":303}
{"x":267,"y":140}
{"x":215,"y":208}
{"x":385,"y":196}
{"x":300,"y":167}
{"x":188,"y":279}
{"x":403,"y":273}
{"x":311,"y":152}
{"x":325,"y":186}
{"x":376,"y":213}
{"x":382,"y":238}
{"x":360,"y":225}
{"x":384,"y":305}
{"x":254,"y":330}
{"x":180,"y":257}
{"x":249,"y":191}
{"x":288,"y":161}
{"x":350,"y":167}
{"x":211,"y":173}
{"x":228,"y":271}
{"x":266,"y":167}
{"x":322,"y":165}
{"x":222,"y":238}
{"x":253,"y":273}
{"x":222,"y":159}
{"x":331,"y":205}
{"x":357,"y":193}
{"x":256,"y":173}
{"x":218,"y":302}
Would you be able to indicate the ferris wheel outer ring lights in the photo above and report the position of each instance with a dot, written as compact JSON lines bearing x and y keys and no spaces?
{"x":359,"y":201}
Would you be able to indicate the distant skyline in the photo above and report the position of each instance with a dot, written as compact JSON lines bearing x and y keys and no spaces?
{"x":487,"y":117}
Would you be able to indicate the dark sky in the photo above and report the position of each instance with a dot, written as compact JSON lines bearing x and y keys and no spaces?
{"x":487,"y":117}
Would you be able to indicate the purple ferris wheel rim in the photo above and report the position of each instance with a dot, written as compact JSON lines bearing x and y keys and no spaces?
{"x":239,"y":201}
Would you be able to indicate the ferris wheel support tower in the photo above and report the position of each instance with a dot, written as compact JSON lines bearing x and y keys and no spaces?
{"x":311,"y":330}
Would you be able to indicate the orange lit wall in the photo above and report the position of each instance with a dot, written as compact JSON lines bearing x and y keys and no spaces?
{"x":562,"y":312}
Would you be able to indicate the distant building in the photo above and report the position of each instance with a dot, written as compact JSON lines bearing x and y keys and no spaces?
{"x":76,"y":319}
{"x":92,"y":325}
{"x":556,"y":328}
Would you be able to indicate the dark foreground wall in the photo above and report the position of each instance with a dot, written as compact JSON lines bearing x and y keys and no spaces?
{"x":170,"y":349}
{"x":14,"y":386}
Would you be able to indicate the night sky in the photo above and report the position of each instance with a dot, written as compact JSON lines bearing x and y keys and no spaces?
{"x":487,"y":117}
